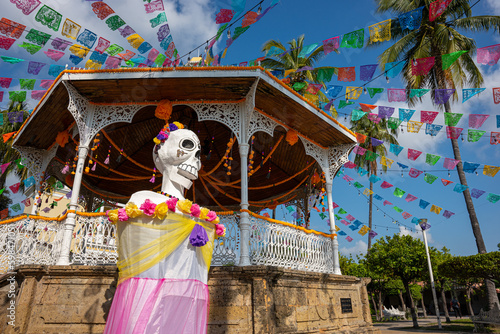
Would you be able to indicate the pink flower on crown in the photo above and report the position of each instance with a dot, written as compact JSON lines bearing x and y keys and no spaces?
{"x":172,"y":203}
{"x":148,"y":207}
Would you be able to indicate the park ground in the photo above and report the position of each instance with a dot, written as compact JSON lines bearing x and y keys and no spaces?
{"x":428,"y":326}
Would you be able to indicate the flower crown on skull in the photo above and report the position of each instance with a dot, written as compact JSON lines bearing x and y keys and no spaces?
{"x":165,"y":133}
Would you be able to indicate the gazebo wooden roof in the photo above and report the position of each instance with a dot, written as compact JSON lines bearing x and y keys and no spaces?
{"x":280,"y":178}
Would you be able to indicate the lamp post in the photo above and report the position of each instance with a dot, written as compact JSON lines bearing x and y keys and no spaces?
{"x":424,"y":226}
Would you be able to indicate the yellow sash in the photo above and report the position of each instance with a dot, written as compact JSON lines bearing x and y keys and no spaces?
{"x":166,"y":235}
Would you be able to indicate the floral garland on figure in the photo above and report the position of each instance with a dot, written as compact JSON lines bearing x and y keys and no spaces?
{"x":161,"y":211}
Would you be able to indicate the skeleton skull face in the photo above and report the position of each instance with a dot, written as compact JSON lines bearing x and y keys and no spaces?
{"x":178,"y":158}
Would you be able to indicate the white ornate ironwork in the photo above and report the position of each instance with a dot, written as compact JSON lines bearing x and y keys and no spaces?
{"x":283,"y":246}
{"x":225,"y":113}
{"x":29,"y":241}
{"x":316,"y":152}
{"x":337,"y":157}
{"x":91,"y":118}
{"x":330,"y":159}
{"x":35,"y":241}
{"x":259,"y":122}
{"x":226,"y":250}
{"x":36,"y":160}
{"x":94,"y":241}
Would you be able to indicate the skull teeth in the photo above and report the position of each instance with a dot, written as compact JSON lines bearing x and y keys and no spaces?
{"x":188,"y":169}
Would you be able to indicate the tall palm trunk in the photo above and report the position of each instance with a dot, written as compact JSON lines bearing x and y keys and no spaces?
{"x":370,"y":213}
{"x":476,"y":230}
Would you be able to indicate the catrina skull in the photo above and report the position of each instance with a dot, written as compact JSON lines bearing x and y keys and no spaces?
{"x":178,"y":157}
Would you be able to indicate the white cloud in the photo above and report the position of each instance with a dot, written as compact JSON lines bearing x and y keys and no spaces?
{"x":358,"y":248}
{"x":417,"y":234}
{"x":495,"y":6}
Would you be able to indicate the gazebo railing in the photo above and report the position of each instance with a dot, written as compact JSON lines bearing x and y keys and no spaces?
{"x":284,"y":245}
{"x":35,"y":240}
{"x":29,"y":241}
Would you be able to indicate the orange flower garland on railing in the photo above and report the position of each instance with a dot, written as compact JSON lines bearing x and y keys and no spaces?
{"x":331,"y":236}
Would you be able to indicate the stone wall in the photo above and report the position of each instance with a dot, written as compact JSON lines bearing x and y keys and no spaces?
{"x":255,"y":299}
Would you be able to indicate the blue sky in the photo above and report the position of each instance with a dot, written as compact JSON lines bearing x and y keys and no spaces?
{"x":192,"y":22}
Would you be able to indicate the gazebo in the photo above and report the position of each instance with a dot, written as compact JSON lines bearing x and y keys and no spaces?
{"x":100,"y":123}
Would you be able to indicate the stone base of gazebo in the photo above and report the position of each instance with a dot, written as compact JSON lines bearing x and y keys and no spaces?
{"x":254,"y":299}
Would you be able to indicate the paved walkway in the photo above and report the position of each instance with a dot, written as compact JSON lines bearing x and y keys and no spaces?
{"x":395,"y":327}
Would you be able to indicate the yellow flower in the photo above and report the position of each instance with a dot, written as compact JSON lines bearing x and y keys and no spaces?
{"x":113,"y":216}
{"x":216,"y":220}
{"x":203,"y":213}
{"x":161,"y":211}
{"x":132,"y":210}
{"x":185,"y":206}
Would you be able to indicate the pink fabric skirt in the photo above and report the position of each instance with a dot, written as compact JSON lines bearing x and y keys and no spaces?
{"x":154,"y":306}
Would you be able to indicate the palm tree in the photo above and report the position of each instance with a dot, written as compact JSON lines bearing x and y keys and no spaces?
{"x":372,"y":130}
{"x":293,"y":60}
{"x":7,"y":152}
{"x":434,"y":39}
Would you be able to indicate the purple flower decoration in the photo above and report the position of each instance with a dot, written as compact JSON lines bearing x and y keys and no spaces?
{"x":198,"y":236}
{"x":173,"y":127}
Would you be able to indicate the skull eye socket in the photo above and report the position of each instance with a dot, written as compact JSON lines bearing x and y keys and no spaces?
{"x":187,"y":144}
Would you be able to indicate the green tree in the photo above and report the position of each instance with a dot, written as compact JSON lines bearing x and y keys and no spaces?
{"x":468,"y":270}
{"x":434,"y":39}
{"x":399,"y":257}
{"x":294,"y":60}
{"x":372,"y":130}
{"x":9,"y":154}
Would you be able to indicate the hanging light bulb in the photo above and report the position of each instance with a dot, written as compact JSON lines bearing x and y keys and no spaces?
{"x":451,"y":36}
{"x":401,"y":173}
{"x":449,"y":174}
{"x":414,"y":62}
{"x":386,"y":77}
{"x":345,"y":118}
{"x":384,"y":215}
{"x":259,"y":10}
{"x":462,"y":137}
{"x":228,"y":33}
{"x":366,"y":91}
{"x":477,"y":173}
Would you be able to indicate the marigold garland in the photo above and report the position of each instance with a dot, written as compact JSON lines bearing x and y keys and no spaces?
{"x":331,"y":236}
{"x":161,"y":211}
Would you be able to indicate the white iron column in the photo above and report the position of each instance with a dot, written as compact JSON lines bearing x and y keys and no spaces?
{"x":335,"y":242}
{"x":90,"y":119}
{"x":246,"y":111}
{"x":34,"y":208}
{"x":70,"y":221}
{"x":244,"y":216}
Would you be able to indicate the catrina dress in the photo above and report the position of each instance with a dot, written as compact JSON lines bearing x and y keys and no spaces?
{"x":162,"y":285}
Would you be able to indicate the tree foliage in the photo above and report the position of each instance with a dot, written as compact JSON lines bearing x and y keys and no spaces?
{"x":474,"y":266}
{"x":400,"y":257}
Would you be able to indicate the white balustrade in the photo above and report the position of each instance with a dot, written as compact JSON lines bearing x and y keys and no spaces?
{"x":29,"y":241}
{"x":37,"y":241}
{"x":284,"y":246}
